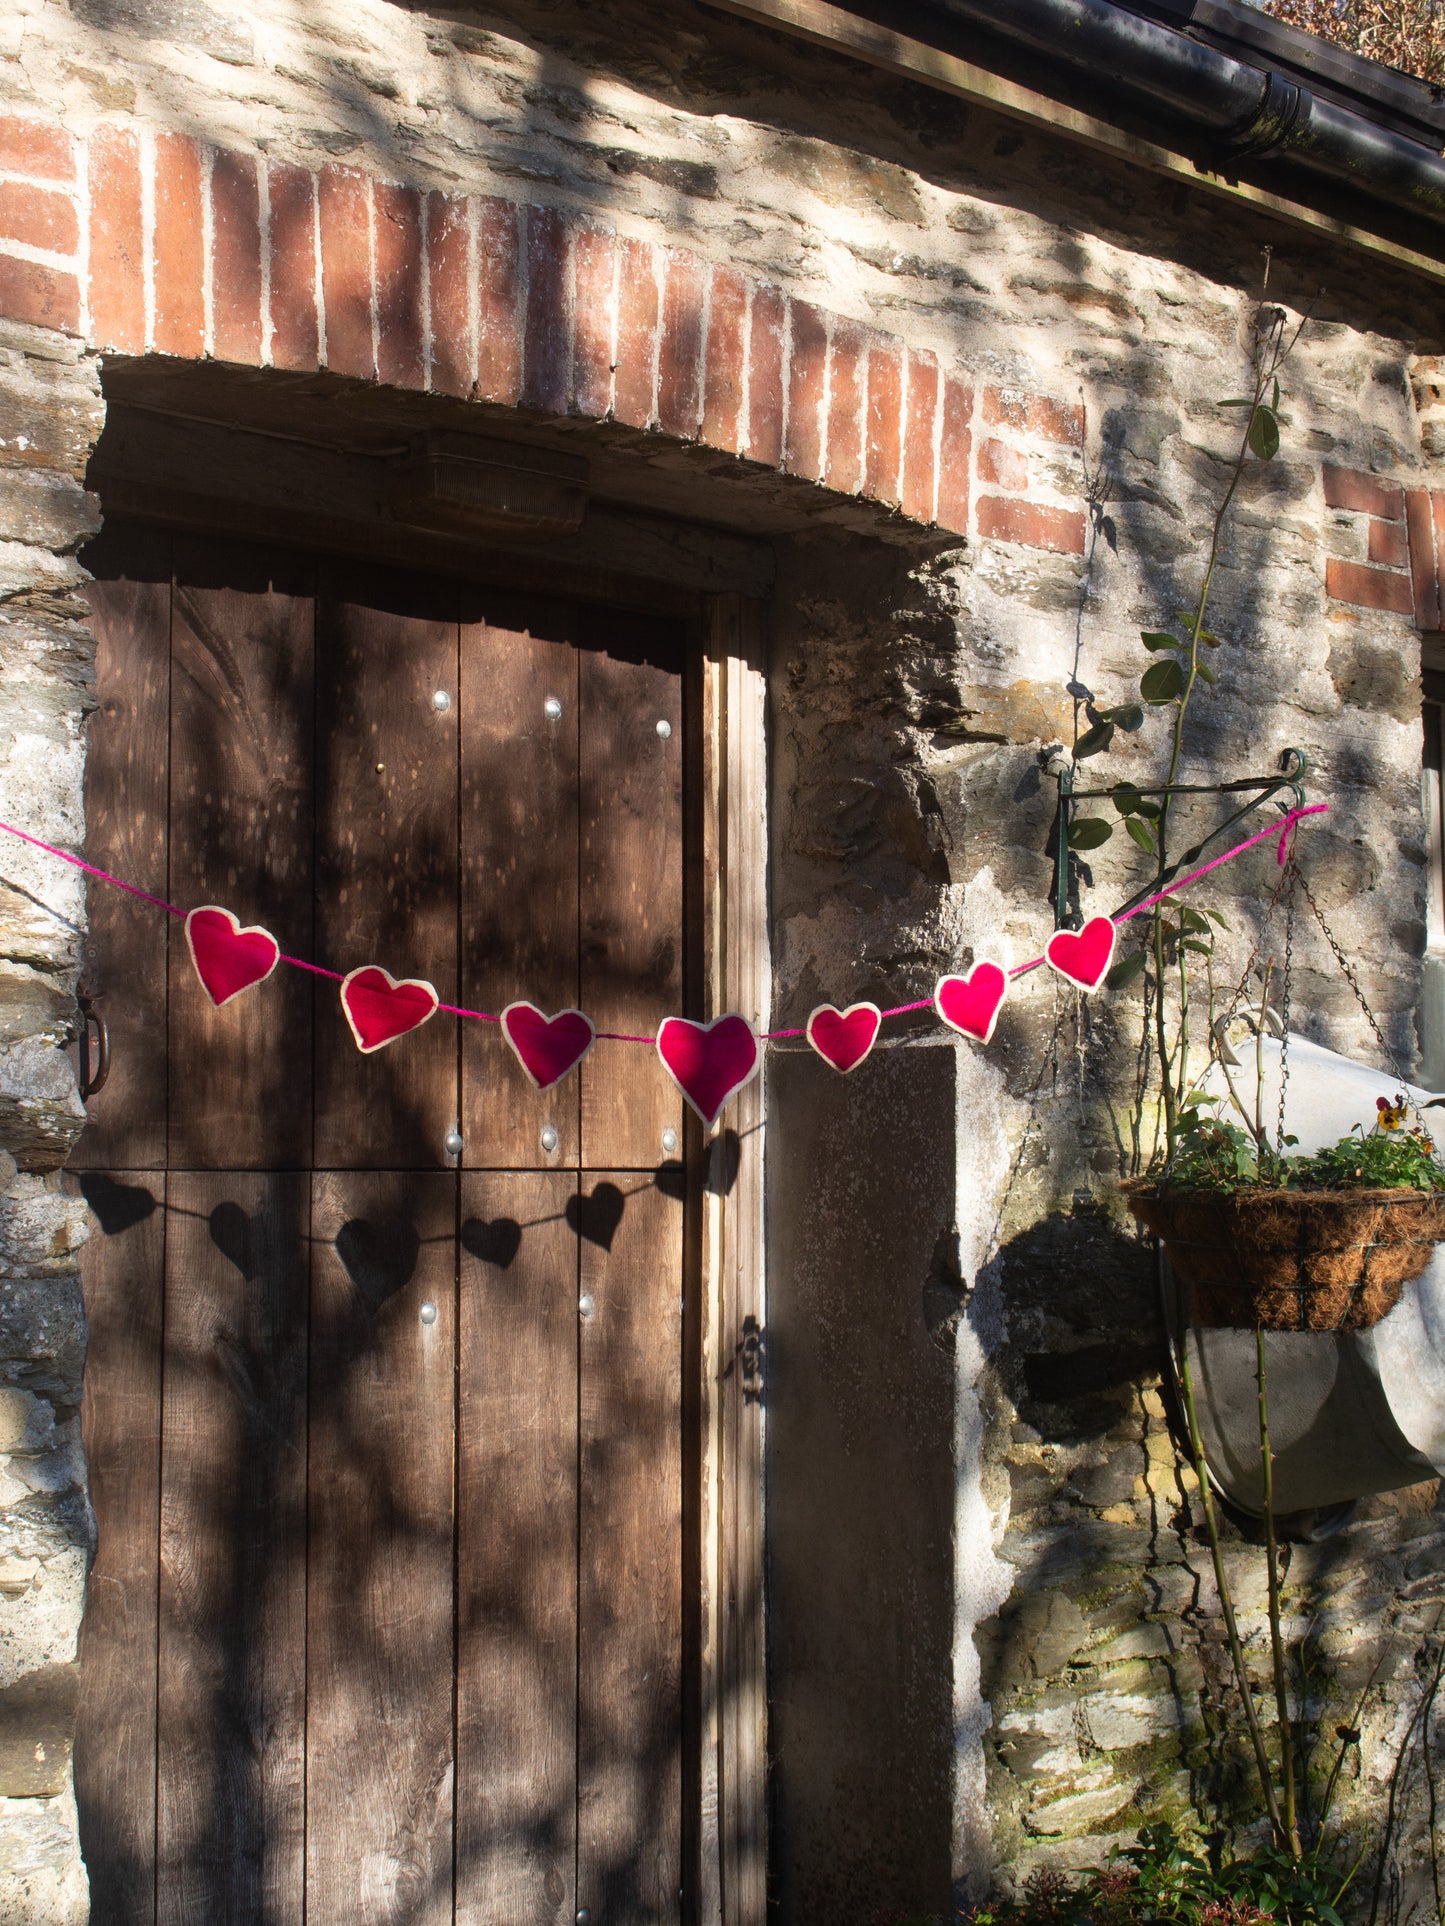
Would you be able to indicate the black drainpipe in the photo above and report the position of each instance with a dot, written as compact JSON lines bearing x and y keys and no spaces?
{"x":1240,"y":111}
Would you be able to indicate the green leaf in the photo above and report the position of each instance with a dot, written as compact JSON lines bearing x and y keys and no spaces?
{"x":1203,"y":669}
{"x":1156,"y":639}
{"x":1087,"y":832}
{"x":1239,"y":401}
{"x":1264,"y":433}
{"x":1125,"y":970}
{"x":1162,"y":682}
{"x":1125,"y":798}
{"x":1215,"y":917}
{"x":1275,"y":403}
{"x":1190,"y":919}
{"x":1149,"y":809}
{"x":1127,"y":716}
{"x":1200,"y":949}
{"x":1197,"y":1097}
{"x":1094,"y":741}
{"x":1141,"y":832}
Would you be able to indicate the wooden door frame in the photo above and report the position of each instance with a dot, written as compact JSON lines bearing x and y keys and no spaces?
{"x":725,"y":1817}
{"x":736,"y":972}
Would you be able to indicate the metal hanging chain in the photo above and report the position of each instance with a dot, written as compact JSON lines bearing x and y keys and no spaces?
{"x":1353,"y":981}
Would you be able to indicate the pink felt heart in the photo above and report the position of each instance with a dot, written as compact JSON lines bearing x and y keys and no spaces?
{"x":844,"y":1037}
{"x":971,"y":1003}
{"x":227,"y":958}
{"x":547,"y":1047}
{"x":1083,"y":956}
{"x":380,"y":1008}
{"x":708,"y":1062}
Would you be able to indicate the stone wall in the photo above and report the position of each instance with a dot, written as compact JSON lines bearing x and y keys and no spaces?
{"x":991,"y":1633}
{"x":50,"y":413}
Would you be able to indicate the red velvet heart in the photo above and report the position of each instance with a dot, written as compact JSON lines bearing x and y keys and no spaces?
{"x":380,"y":1008}
{"x":971,"y":1003}
{"x":1083,"y":956}
{"x":708,"y":1062}
{"x":227,"y":958}
{"x":547,"y":1047}
{"x":844,"y":1037}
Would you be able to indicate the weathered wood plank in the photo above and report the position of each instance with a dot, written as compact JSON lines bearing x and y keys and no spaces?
{"x":629,"y":1595}
{"x":517,"y":1551}
{"x":631,"y":880}
{"x":379,"y":1779}
{"x":121,"y":1270}
{"x":386,"y":858}
{"x":232,"y":1649}
{"x":241,"y":826}
{"x":125,"y":832}
{"x":519,"y":871}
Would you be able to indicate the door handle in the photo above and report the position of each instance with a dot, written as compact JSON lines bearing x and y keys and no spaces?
{"x":91,"y":1018}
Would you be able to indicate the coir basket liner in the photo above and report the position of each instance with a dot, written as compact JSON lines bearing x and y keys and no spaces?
{"x":1292,"y":1260}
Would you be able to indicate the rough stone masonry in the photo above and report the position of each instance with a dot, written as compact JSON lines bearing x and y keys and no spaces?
{"x":970,"y":1453}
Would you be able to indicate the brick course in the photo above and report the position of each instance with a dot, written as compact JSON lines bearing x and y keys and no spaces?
{"x":1007,"y":519}
{"x":1365,"y":494}
{"x":1034,"y":414}
{"x":1369,"y":588}
{"x":236,"y":258}
{"x":477,"y":296}
{"x":38,"y":217}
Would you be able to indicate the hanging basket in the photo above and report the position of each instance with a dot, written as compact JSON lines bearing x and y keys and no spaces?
{"x":1292,"y":1260}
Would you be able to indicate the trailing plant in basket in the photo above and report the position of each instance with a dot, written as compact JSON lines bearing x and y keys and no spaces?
{"x":1216,"y":1154}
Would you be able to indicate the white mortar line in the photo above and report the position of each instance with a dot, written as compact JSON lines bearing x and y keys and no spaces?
{"x":40,"y":256}
{"x":208,"y":251}
{"x":146,"y":144}
{"x":424,"y":222}
{"x":371,"y":277}
{"x":263,"y":222}
{"x":316,"y":269}
{"x":473,"y":216}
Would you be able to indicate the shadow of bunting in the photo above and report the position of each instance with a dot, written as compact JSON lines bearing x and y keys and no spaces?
{"x":385,"y":1619}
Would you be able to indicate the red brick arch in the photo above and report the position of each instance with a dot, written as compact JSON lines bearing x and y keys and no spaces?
{"x":152,"y":242}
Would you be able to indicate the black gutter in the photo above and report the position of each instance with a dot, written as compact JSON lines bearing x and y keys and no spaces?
{"x":1236,"y":112}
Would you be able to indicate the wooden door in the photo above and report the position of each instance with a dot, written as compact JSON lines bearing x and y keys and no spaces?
{"x":386,"y":1441}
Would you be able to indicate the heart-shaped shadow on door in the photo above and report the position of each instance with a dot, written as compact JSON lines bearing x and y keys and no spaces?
{"x":496,"y":1242}
{"x":379,"y":1258}
{"x":236,"y":1236}
{"x":118,"y":1206}
{"x":596,"y":1216}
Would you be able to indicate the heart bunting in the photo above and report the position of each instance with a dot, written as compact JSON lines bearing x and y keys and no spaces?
{"x":380,"y":1007}
{"x":547,"y":1047}
{"x":709,"y":1062}
{"x":971,"y":1003}
{"x":843,"y":1038}
{"x":1083,"y":956}
{"x":227,"y":958}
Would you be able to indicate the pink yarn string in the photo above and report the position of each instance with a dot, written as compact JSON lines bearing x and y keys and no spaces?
{"x":158,"y":902}
{"x":1283,"y":830}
